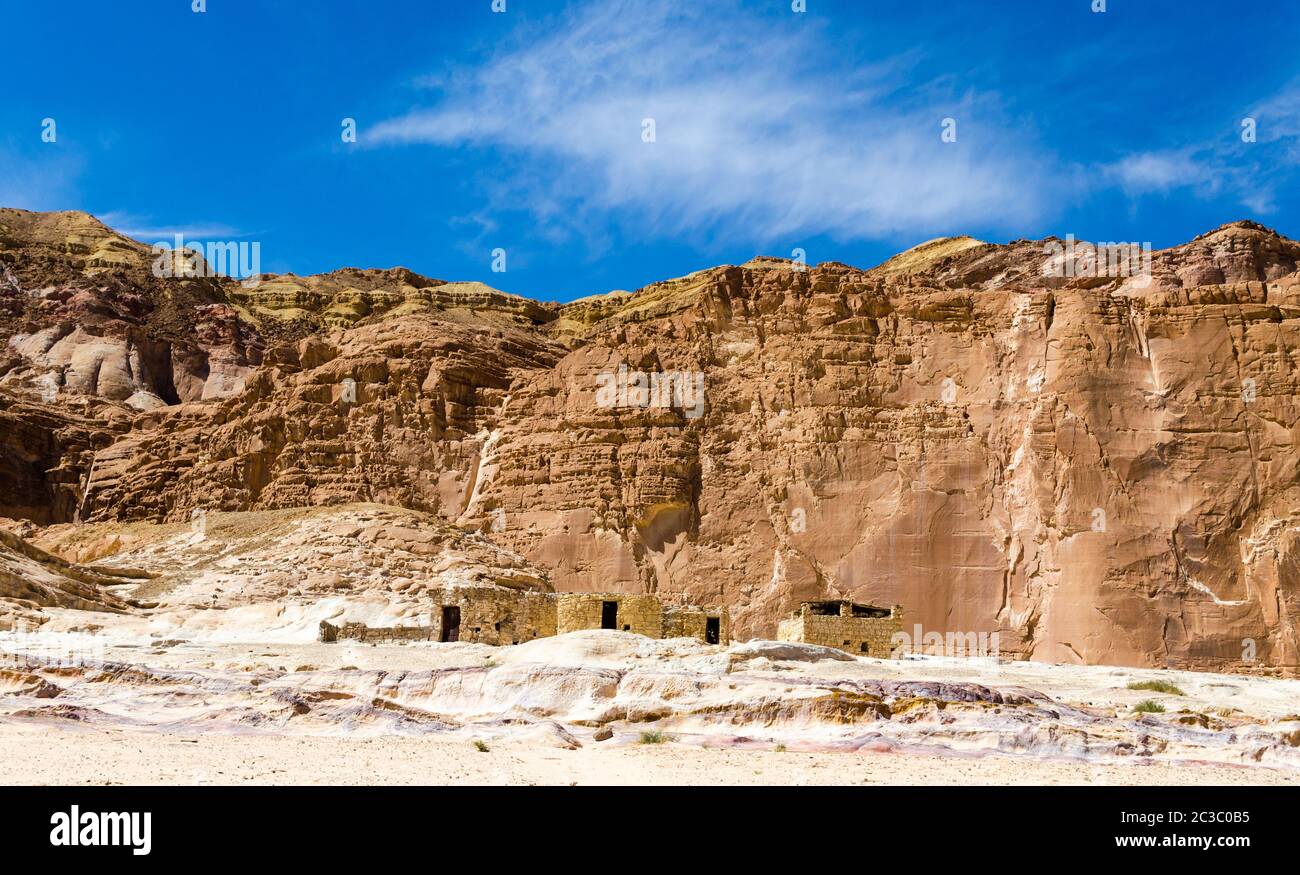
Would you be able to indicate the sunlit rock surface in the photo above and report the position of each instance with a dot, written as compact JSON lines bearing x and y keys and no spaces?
{"x":1101,"y":470}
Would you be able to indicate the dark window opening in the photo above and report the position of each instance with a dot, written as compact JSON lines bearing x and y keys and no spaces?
{"x":712,"y":630}
{"x":627,"y":628}
{"x":609,"y":615}
{"x":846,"y":644}
{"x":866,"y":648}
{"x":868,"y":611}
{"x":450,"y":624}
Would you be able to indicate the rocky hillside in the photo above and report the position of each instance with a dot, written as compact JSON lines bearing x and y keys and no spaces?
{"x":1101,"y":469}
{"x":361,"y":552}
{"x":32,"y":579}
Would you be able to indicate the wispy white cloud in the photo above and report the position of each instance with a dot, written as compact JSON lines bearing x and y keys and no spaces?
{"x":40,"y":179}
{"x":764,"y":130}
{"x":1161,"y":171}
{"x":1248,"y":172}
{"x":1278,"y":116}
{"x":144,"y":229}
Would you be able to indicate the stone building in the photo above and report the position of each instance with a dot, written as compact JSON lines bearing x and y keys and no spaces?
{"x":493,"y":615}
{"x":482,"y":613}
{"x":865,"y":630}
{"x":500,"y":615}
{"x":643,"y":614}
{"x":712,"y":626}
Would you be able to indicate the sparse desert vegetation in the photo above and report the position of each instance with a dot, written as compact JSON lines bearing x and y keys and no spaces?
{"x":1156,"y":687}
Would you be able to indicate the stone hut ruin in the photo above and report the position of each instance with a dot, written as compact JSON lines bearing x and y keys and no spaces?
{"x":639,"y":614}
{"x":864,"y":630}
{"x":642,"y":614}
{"x":712,"y":626}
{"x":499,"y":615}
{"x":493,"y":615}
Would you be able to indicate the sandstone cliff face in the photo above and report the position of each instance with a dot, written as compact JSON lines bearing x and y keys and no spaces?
{"x":1085,"y":466}
{"x":1099,"y":469}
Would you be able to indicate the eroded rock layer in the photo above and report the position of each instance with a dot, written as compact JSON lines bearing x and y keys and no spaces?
{"x":32,"y":579}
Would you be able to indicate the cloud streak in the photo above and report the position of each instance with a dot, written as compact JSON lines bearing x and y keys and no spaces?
{"x":764,"y":131}
{"x":1225,"y":166}
{"x":144,"y":230}
{"x":39,"y":180}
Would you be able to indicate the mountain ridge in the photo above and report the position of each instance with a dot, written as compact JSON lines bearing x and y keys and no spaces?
{"x":924,"y":254}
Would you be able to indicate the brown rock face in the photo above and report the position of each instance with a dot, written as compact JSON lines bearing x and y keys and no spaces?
{"x":31,"y":579}
{"x":83,"y":315}
{"x":1099,"y":469}
{"x":398,"y":559}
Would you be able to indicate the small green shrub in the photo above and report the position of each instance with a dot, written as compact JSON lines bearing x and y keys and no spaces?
{"x":1156,"y":687}
{"x":480,"y":746}
{"x":654,"y":736}
{"x":1147,"y":706}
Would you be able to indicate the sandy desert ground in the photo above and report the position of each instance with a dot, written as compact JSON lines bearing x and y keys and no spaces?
{"x":142,"y":701}
{"x":36,"y":755}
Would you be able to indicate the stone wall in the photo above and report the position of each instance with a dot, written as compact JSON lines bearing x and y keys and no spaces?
{"x":498,"y":615}
{"x":691,"y":622}
{"x":860,"y":635}
{"x":495,"y":615}
{"x":361,"y":632}
{"x":642,"y":614}
{"x":488,"y":615}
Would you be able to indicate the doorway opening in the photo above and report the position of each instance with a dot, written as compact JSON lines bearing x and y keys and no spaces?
{"x":609,"y":615}
{"x":450,"y":624}
{"x":712,"y":630}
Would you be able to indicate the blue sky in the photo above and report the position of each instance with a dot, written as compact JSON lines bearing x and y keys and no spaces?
{"x":524,"y":130}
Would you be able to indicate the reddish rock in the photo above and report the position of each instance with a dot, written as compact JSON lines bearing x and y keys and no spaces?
{"x":1099,"y":469}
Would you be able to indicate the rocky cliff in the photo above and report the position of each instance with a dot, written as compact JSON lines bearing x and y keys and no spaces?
{"x":1102,"y":469}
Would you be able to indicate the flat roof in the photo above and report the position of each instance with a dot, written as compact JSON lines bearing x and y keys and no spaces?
{"x":828,"y":607}
{"x":845,"y":602}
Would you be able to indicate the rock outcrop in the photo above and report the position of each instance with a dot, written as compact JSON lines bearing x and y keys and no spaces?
{"x":84,"y":316}
{"x":397,"y":558}
{"x":1101,"y":469}
{"x":32,"y":579}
